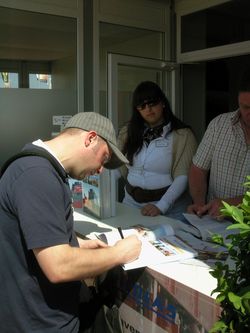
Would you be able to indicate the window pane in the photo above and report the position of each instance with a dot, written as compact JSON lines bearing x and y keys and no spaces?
{"x":216,"y":26}
{"x":40,"y":81}
{"x":8,"y":80}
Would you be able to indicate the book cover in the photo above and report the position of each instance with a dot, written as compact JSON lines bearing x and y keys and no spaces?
{"x":94,"y":195}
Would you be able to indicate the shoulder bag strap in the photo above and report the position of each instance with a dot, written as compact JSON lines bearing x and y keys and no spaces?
{"x":41,"y":153}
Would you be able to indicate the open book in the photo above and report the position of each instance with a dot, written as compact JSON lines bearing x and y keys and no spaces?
{"x":159,"y":245}
{"x":204,"y":227}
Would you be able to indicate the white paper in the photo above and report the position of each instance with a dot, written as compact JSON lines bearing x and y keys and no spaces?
{"x":207,"y":226}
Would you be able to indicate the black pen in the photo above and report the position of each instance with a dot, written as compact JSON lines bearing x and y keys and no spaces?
{"x":120,"y":232}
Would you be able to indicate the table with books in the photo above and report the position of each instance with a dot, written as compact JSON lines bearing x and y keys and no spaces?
{"x":172,"y":296}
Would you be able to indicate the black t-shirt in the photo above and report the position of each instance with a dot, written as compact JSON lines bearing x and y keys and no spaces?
{"x":35,"y":212}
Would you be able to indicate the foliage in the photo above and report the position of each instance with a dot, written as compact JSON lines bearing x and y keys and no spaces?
{"x":233,"y":275}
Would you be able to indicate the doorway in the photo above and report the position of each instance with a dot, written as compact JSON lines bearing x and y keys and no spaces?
{"x":125,"y":73}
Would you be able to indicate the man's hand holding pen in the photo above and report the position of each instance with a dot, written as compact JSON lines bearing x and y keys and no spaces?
{"x":129,"y":248}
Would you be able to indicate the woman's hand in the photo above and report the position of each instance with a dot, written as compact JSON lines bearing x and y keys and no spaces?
{"x":150,"y":210}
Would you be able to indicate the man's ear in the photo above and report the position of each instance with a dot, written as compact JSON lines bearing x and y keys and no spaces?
{"x":91,"y":137}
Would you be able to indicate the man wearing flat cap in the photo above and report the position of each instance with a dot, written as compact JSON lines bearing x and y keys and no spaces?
{"x":42,"y":260}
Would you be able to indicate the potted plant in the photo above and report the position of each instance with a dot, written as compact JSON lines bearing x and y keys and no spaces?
{"x":233,"y":275}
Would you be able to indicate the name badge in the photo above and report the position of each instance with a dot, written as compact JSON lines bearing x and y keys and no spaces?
{"x":161,"y":143}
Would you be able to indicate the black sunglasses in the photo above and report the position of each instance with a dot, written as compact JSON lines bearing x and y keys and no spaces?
{"x":150,"y":103}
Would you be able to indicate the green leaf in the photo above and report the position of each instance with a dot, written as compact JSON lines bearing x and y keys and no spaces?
{"x":245,"y":206}
{"x":220,"y":298}
{"x":219,"y":326}
{"x":245,"y":298}
{"x":246,"y":304}
{"x":236,"y":300}
{"x":241,"y":226}
{"x":237,"y":214}
{"x":218,"y":239}
{"x":227,"y":207}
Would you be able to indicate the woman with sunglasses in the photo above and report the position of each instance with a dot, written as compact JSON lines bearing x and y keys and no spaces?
{"x":159,"y":148}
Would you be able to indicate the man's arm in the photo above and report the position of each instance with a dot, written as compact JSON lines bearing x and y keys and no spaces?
{"x":198,"y":188}
{"x":64,"y":263}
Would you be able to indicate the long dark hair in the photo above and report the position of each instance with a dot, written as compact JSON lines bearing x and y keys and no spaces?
{"x":146,"y":91}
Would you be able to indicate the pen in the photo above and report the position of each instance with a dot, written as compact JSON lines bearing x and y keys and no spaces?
{"x":120,"y":232}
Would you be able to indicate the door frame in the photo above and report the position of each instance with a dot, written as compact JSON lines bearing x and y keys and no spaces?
{"x":170,"y":82}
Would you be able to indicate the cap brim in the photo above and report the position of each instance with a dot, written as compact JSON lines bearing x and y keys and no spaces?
{"x":117,"y":158}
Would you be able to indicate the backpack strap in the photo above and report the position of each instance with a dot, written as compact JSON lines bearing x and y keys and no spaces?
{"x":41,"y":153}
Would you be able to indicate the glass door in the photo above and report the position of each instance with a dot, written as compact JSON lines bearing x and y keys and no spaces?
{"x":126,"y":72}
